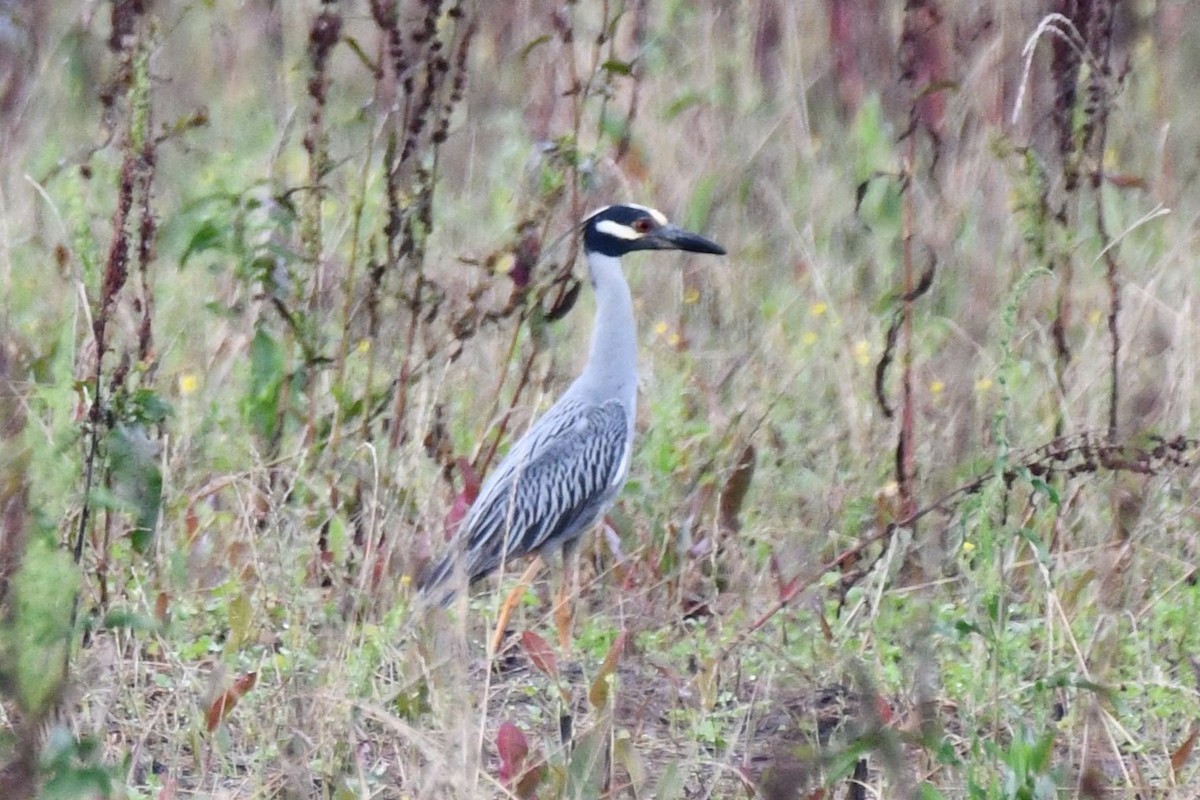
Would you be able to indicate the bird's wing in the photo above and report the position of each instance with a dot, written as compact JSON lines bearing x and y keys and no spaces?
{"x":555,"y":482}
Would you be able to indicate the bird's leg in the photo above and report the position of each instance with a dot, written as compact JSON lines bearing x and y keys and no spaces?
{"x":564,"y":606}
{"x":511,"y":600}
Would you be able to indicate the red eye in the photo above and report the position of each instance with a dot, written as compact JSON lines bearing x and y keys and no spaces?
{"x":643,"y":225}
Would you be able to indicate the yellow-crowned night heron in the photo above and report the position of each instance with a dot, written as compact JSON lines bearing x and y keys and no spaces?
{"x":559,"y":479}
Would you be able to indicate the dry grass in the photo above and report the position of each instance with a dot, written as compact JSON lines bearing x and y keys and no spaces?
{"x":274,"y":273}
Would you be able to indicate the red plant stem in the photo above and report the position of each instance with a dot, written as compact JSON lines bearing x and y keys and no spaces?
{"x":906,"y":470}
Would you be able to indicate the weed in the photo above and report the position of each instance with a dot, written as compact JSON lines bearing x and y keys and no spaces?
{"x":910,"y":508}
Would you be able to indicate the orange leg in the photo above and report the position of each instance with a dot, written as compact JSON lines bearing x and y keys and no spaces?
{"x":564,"y":605}
{"x":510,"y":602}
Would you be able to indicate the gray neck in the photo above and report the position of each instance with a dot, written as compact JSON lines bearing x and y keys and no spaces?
{"x":611,"y":371}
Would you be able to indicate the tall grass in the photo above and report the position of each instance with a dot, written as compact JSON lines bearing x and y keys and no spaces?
{"x":910,"y":508}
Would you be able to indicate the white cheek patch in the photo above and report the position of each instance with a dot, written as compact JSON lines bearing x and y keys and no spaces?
{"x":617,"y":230}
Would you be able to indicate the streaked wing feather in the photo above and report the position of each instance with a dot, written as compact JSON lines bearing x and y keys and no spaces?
{"x":549,"y":488}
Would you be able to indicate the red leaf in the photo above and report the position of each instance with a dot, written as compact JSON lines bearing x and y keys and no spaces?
{"x":540,"y":653}
{"x":789,"y":590}
{"x":884,"y":710}
{"x":1126,"y":181}
{"x":471,"y":483}
{"x":776,"y":572}
{"x":525,"y":255}
{"x":528,"y":783}
{"x":733,"y":493}
{"x":221,"y":707}
{"x":191,"y":520}
{"x":162,"y":608}
{"x":456,"y":514}
{"x":1180,"y":756}
{"x":518,"y":771}
{"x":513,"y":749}
{"x":462,"y":500}
{"x":377,"y":572}
{"x":826,"y":631}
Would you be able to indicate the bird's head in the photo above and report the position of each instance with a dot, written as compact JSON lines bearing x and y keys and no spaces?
{"x":620,"y":229}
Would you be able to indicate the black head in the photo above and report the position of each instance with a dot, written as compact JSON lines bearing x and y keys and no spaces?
{"x":620,"y":229}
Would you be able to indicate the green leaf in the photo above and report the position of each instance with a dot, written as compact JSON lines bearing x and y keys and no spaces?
{"x":615,"y":67}
{"x":1035,"y":541}
{"x":99,"y":497}
{"x":37,"y":626}
{"x":129,"y":620}
{"x":207,"y":236}
{"x":240,"y":616}
{"x":1042,"y":751}
{"x":966,"y":627}
{"x":627,"y":756}
{"x":670,"y":783}
{"x":586,"y":769}
{"x":1042,"y":487}
{"x":148,"y":407}
{"x":601,"y":688}
{"x":133,"y":459}
{"x":843,"y":762}
{"x":337,"y":538}
{"x":75,"y":782}
{"x":533,"y":45}
{"x":413,"y":701}
{"x":683,"y":103}
{"x":926,"y":791}
{"x":260,"y":406}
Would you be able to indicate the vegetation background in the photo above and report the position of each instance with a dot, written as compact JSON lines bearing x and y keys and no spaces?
{"x":912,"y":511}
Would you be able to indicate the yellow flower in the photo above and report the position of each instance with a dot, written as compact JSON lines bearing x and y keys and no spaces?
{"x":862,"y":352}
{"x":937,"y":387}
{"x":188,"y":383}
{"x":983,"y":384}
{"x":1094,"y":316}
{"x":660,"y":329}
{"x":809,"y":337}
{"x":817,"y":309}
{"x":691,"y":296}
{"x":364,"y":345}
{"x":673,"y":340}
{"x":968,"y":547}
{"x":504,"y":264}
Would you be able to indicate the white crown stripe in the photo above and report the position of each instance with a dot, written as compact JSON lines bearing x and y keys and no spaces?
{"x":658,"y":216}
{"x":617,"y":230}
